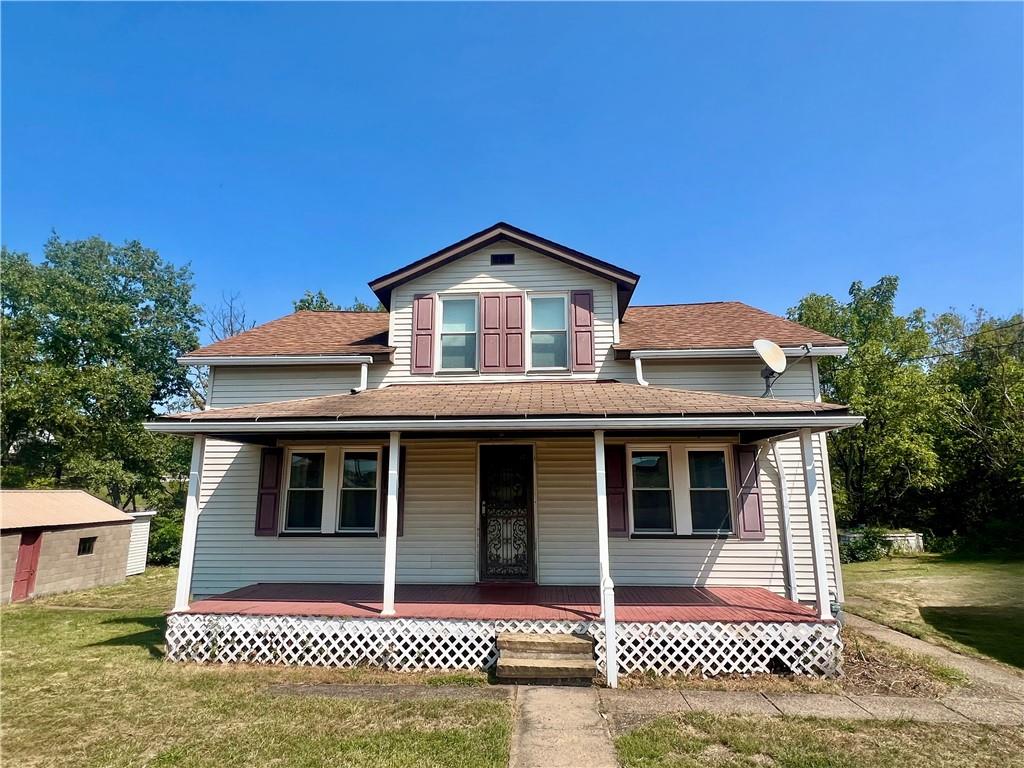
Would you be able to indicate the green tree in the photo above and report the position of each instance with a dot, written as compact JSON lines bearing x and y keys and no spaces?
{"x":315,"y":302}
{"x":979,"y":368}
{"x":89,"y":339}
{"x":884,"y":469}
{"x":318,"y":302}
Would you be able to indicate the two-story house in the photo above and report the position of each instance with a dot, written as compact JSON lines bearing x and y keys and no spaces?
{"x":511,"y":447}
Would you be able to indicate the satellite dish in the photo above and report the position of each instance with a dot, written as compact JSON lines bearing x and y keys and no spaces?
{"x":772,"y":354}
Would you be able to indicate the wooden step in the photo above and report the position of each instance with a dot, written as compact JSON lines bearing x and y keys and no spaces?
{"x":512,"y":666}
{"x":526,"y":643}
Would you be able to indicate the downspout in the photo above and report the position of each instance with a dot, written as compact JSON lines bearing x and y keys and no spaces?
{"x":363,"y":374}
{"x":784,"y":524}
{"x":640,"y":372}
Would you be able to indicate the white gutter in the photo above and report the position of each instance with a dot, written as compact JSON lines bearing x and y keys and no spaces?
{"x":276,"y":360}
{"x":683,"y":354}
{"x":640,"y":372}
{"x":209,"y":426}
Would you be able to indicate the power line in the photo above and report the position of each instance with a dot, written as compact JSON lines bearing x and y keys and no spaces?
{"x":978,"y":333}
{"x":964,"y":351}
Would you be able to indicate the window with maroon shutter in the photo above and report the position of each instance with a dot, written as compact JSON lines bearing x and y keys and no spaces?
{"x":385,"y":459}
{"x":423,"y":333}
{"x":749,"y":512}
{"x":269,"y":492}
{"x":615,"y":490}
{"x":581,"y":317}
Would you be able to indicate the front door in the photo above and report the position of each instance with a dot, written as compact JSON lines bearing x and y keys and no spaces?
{"x":506,"y":513}
{"x":26,"y":565}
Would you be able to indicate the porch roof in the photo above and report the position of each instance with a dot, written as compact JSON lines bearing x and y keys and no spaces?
{"x":561,"y":404}
{"x":486,"y":602}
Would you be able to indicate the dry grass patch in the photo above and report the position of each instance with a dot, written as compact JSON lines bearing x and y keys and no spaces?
{"x":700,"y":739}
{"x":90,"y":688}
{"x":869,"y":667}
{"x":974,"y":607}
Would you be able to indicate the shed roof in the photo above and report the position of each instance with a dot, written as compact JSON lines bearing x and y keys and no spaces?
{"x":53,"y":509}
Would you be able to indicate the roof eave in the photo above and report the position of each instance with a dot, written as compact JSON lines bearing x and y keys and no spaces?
{"x":816,"y":421}
{"x":626,"y":281}
{"x":623,"y":351}
{"x":324,"y":359}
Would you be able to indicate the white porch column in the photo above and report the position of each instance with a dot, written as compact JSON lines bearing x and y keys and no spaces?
{"x":391,"y":531}
{"x":785,"y":528}
{"x":188,"y":536}
{"x":813,"y":500}
{"x":607,"y":587}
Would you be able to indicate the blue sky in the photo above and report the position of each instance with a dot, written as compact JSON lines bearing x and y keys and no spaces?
{"x":752,"y":152}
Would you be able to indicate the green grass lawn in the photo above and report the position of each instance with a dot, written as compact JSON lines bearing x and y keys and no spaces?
{"x":971,"y":606}
{"x":84,"y":684}
{"x":699,"y":739}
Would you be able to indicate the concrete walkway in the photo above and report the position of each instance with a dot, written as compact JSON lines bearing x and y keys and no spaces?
{"x":977,"y":669}
{"x":559,"y":727}
{"x":626,"y":709}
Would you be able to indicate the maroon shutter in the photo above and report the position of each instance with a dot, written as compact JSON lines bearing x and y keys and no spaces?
{"x":491,"y":333}
{"x":749,"y":514}
{"x":423,"y":333}
{"x":385,"y":459}
{"x":582,"y":322}
{"x":268,"y":498}
{"x":615,"y":485}
{"x":514,"y":342}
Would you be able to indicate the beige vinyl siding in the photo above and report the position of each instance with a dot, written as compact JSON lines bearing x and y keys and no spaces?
{"x":730,"y":377}
{"x":473,"y":273}
{"x":138,"y":545}
{"x":248,"y":385}
{"x":567,"y":532}
{"x":438,"y":545}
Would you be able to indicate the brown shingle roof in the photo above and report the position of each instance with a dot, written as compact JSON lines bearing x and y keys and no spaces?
{"x":547,"y":398}
{"x":715,"y":325}
{"x":309,"y":333}
{"x":54,"y":508}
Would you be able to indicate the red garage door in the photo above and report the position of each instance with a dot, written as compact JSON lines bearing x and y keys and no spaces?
{"x":28,"y":561}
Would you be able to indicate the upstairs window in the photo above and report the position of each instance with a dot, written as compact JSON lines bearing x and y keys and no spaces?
{"x":458,"y":334}
{"x":305,"y":491}
{"x":549,"y":338}
{"x":651,"y":491}
{"x":709,"y":492}
{"x":359,"y":486}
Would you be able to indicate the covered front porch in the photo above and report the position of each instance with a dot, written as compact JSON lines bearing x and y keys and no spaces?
{"x":489,"y":602}
{"x":563,"y":504}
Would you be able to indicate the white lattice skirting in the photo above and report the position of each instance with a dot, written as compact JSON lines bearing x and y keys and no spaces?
{"x":662,"y":648}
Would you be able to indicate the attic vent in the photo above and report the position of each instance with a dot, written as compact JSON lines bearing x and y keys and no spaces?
{"x":502,"y":259}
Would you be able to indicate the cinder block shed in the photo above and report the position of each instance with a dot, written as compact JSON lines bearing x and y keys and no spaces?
{"x":58,"y":541}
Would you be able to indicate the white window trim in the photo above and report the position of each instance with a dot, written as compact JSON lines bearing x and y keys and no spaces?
{"x":642,"y":448}
{"x":376,"y":490}
{"x":288,"y":487}
{"x":679,"y":486}
{"x":439,"y":323}
{"x":528,"y":341}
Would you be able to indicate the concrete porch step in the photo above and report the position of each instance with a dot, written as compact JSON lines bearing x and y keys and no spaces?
{"x":512,"y":666}
{"x":526,"y":643}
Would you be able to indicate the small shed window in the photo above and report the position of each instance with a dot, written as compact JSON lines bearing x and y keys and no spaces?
{"x":503,"y":259}
{"x":86,"y":545}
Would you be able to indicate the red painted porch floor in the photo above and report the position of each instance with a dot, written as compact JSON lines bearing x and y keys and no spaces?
{"x":507,"y":601}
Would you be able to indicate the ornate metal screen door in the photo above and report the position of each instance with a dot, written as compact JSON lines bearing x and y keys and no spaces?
{"x":506,"y":512}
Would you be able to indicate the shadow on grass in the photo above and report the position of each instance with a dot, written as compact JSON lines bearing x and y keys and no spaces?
{"x":151,"y":638}
{"x":992,"y":630}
